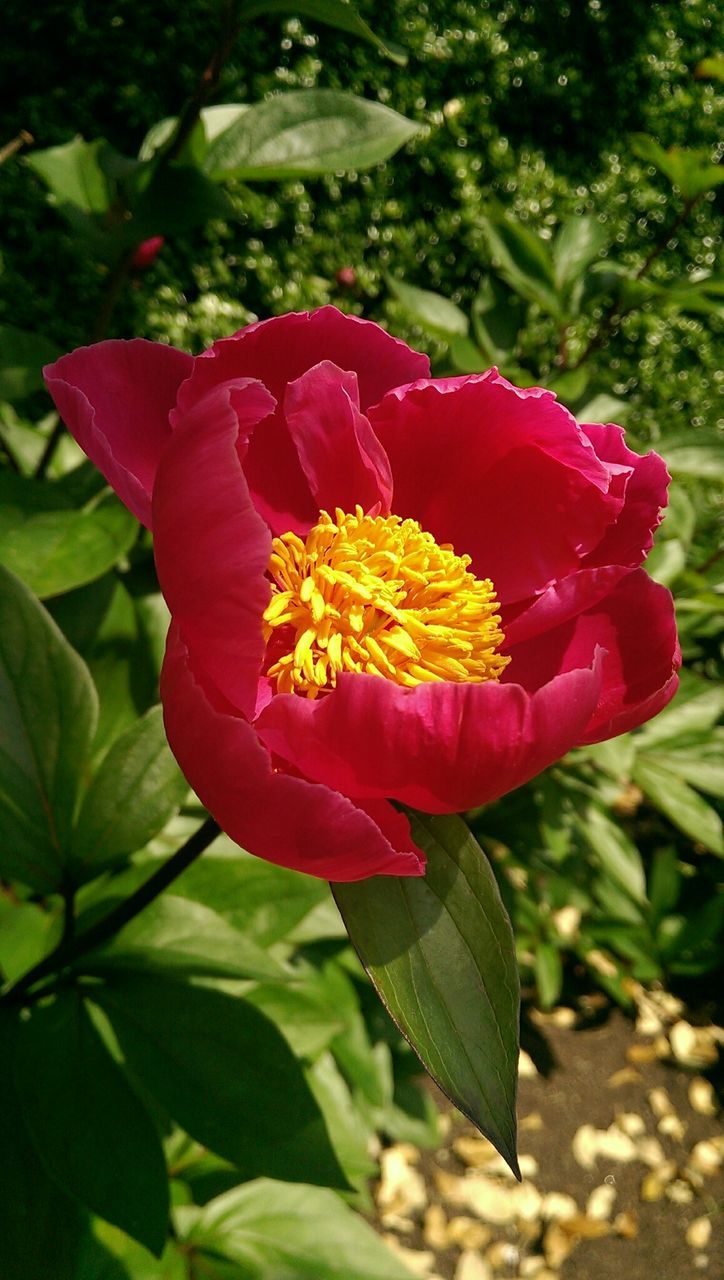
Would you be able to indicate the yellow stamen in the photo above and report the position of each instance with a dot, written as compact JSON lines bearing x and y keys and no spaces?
{"x":376,"y":594}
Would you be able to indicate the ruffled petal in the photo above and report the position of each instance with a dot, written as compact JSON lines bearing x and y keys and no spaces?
{"x":212,"y":547}
{"x":560,"y":602}
{"x":636,"y":629}
{"x":505,"y":475}
{"x":631,"y":537}
{"x":279,"y":351}
{"x":287,"y":820}
{"x":438,"y":747}
{"x":115,"y":398}
{"x":341,"y":457}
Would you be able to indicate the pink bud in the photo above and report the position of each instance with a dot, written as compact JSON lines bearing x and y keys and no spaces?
{"x":346,"y":277}
{"x":147,"y":252}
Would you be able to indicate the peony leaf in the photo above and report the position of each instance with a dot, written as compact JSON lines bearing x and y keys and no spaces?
{"x":333,"y":13}
{"x":441,"y":955}
{"x":307,"y":133}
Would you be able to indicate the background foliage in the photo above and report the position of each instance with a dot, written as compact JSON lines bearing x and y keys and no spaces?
{"x":534,"y":210}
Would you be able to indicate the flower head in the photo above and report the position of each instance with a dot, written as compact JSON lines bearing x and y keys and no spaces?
{"x":383,"y":587}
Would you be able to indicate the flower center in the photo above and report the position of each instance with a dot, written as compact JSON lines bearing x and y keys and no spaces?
{"x":376,"y":594}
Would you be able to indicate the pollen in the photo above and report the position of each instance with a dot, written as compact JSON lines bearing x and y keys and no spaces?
{"x":377,"y":595}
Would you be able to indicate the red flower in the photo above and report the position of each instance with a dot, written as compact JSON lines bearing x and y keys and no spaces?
{"x":440,"y":656}
{"x":147,"y":252}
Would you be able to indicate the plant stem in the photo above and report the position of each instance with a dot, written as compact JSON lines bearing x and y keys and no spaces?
{"x":208,"y":82}
{"x":73,"y":948}
{"x":22,"y":139}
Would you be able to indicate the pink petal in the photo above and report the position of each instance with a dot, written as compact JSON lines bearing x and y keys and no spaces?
{"x":636,"y":629}
{"x":279,"y":351}
{"x":212,"y":548}
{"x":507,"y":476}
{"x":287,"y":820}
{"x":560,"y":602}
{"x":438,"y":747}
{"x":115,"y":398}
{"x":340,"y":454}
{"x":631,"y":537}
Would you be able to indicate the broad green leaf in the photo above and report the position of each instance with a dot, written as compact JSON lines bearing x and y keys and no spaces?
{"x":467,"y":356}
{"x":695,"y":710}
{"x":666,"y":561}
{"x":132,"y":795}
{"x":440,"y":952}
{"x":680,"y":803}
{"x":352,"y":1137}
{"x":306,"y":1021}
{"x":178,"y":198}
{"x":523,"y":260}
{"x":664,"y":882}
{"x":570,"y":385}
{"x":42,"y":1227}
{"x":22,"y":356}
{"x":223,"y":1072}
{"x":275,"y":1229}
{"x":689,"y":170}
{"x":548,"y":973}
{"x":577,"y":244}
{"x":177,"y":936}
{"x":701,"y":764}
{"x":193,"y":151}
{"x":261,"y":900}
{"x":615,"y":853}
{"x":55,"y":551}
{"x":89,"y":1127}
{"x":497,"y":316}
{"x":48,"y":710}
{"x":334,"y":13}
{"x":26,"y":934}
{"x":710,"y":68}
{"x":306,"y":133}
{"x":701,"y":459}
{"x":74,"y":174}
{"x":436,"y":314}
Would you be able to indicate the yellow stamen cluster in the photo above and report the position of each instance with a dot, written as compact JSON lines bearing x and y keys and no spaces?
{"x":377,"y":594}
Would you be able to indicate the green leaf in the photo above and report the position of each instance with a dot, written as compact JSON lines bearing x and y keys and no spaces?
{"x":695,"y":710}
{"x":224,"y":1073}
{"x":55,"y":551}
{"x":523,"y":260}
{"x":74,"y":174}
{"x":664,"y":882}
{"x":48,"y":710}
{"x":703,"y":459}
{"x":689,"y":170}
{"x":25,"y":936}
{"x":43,"y":1228}
{"x":440,"y":952}
{"x":680,"y":803}
{"x":577,"y":244}
{"x":701,"y":764}
{"x":22,"y":356}
{"x":132,"y":795}
{"x":178,"y":198}
{"x":180,"y":937}
{"x":548,"y":974}
{"x":352,"y":1137}
{"x":90,"y":1129}
{"x":334,"y":13}
{"x":666,"y":561}
{"x":275,"y":1229}
{"x":307,"y":133}
{"x":498,"y":316}
{"x":711,"y":68}
{"x":615,"y":852}
{"x":438,"y":315}
{"x":306,"y":1021}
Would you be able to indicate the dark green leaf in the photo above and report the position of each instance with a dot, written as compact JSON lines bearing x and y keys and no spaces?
{"x":548,"y":973}
{"x":274,"y":1229}
{"x":224,"y":1073}
{"x":352,"y":1137}
{"x":74,"y":174}
{"x":664,"y":882}
{"x":695,"y":710}
{"x":307,"y":133}
{"x":26,"y":934}
{"x":42,"y":1227}
{"x":89,"y":1127}
{"x":577,"y":245}
{"x":615,"y":852}
{"x":497,"y":316}
{"x":701,"y":764}
{"x":438,"y":315}
{"x":334,"y":13}
{"x":306,"y":1021}
{"x":523,"y":260}
{"x":132,"y":795}
{"x":441,"y":955}
{"x":689,"y":170}
{"x":177,"y":936}
{"x":22,"y":356}
{"x":48,"y":710}
{"x":55,"y":551}
{"x":177,"y":199}
{"x":680,"y":803}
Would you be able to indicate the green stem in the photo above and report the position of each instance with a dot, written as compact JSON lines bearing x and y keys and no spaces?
{"x":71,"y":949}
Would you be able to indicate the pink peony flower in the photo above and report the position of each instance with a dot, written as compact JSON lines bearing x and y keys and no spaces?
{"x":383,"y":587}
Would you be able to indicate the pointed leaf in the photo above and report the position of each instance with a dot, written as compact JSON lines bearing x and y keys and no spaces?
{"x":431,"y":310}
{"x":90,"y":1129}
{"x":74,"y":174}
{"x":48,"y":710}
{"x":680,"y":803}
{"x":224,"y":1073}
{"x":333,"y":13}
{"x":56,"y":551}
{"x":307,"y":133}
{"x":22,"y":356}
{"x":441,"y":955}
{"x":523,"y":260}
{"x":576,"y":246}
{"x":274,"y":1229}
